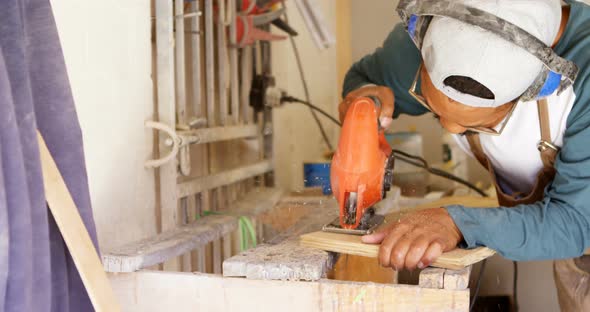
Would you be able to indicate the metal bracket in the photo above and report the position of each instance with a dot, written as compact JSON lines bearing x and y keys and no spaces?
{"x":543,"y":145}
{"x":173,"y":139}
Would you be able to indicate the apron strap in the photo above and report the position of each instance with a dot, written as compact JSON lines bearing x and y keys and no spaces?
{"x":476,"y":149}
{"x":546,"y":148}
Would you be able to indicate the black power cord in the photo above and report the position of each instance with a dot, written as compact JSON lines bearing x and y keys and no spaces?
{"x":288,"y":98}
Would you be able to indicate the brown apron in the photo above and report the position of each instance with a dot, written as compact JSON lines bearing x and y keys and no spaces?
{"x":572,"y":276}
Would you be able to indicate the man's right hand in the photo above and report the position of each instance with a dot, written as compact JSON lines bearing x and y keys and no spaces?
{"x":385,"y":96}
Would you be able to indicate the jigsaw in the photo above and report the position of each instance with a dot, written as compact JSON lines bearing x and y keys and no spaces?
{"x":361,"y":171}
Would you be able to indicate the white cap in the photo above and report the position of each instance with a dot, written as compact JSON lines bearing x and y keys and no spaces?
{"x":455,"y":48}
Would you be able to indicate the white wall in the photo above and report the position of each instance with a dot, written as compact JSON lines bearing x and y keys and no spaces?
{"x":297,"y":138}
{"x":371,"y":22}
{"x":108,"y":57}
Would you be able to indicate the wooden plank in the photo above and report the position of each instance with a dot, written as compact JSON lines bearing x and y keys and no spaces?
{"x":246,"y":84}
{"x":216,"y":180}
{"x":221,"y":64}
{"x":286,"y":261}
{"x":195,"y":235}
{"x":148,"y":291}
{"x":432,"y":278}
{"x":181,"y":111}
{"x":457,"y":279}
{"x":169,"y":244}
{"x":282,"y":258}
{"x":210,"y":65}
{"x":217,"y":257}
{"x":202,"y":261}
{"x":215,"y":134}
{"x":74,"y":233}
{"x":361,"y":269}
{"x":227,"y":246}
{"x":196,"y":61}
{"x":351,"y":244}
{"x":233,"y":63}
{"x":180,"y":62}
{"x":166,"y":114}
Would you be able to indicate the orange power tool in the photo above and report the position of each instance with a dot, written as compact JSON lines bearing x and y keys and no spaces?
{"x":362,"y":169}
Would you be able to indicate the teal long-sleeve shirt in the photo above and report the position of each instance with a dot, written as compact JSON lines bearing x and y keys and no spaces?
{"x":557,"y":226}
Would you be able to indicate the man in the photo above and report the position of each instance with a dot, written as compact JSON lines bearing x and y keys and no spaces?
{"x":520,"y":105}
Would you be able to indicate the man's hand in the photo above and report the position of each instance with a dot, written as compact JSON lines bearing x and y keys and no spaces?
{"x":385,"y":96}
{"x":416,"y":240}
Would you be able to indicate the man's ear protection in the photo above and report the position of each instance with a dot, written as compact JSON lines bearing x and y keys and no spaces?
{"x":557,"y":74}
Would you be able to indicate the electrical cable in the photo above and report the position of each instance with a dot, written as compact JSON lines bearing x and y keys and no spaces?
{"x":439,"y":172}
{"x":291,"y":99}
{"x":478,"y":284}
{"x":304,"y":82}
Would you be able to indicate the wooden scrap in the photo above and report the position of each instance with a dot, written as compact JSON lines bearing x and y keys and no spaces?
{"x":361,"y":269}
{"x":70,"y":224}
{"x":286,"y":261}
{"x":432,"y":278}
{"x":457,"y":279}
{"x":282,"y":258}
{"x":148,"y":291}
{"x":168,"y":244}
{"x":183,"y":239}
{"x":351,"y":244}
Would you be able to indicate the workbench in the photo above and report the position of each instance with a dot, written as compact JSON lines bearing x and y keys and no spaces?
{"x":279,"y":273}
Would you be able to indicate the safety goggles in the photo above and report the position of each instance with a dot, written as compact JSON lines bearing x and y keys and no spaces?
{"x":420,"y":99}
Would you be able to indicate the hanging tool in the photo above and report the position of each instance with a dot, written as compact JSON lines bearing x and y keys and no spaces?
{"x":361,"y":170}
{"x":253,"y":16}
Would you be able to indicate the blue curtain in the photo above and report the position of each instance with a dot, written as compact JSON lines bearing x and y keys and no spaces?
{"x":36,"y":270}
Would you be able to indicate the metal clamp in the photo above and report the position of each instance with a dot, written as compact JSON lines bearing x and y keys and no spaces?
{"x":544,"y":145}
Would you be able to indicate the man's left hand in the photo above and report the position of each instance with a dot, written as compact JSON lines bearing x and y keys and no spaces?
{"x":416,"y":240}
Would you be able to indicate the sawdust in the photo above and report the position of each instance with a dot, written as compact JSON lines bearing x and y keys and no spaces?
{"x":285,"y":215}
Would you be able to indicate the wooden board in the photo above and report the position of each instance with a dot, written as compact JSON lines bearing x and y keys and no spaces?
{"x":282,"y":258}
{"x":351,"y":244}
{"x":183,"y":239}
{"x":64,"y":211}
{"x":361,"y":269}
{"x":168,"y":245}
{"x":170,"y":291}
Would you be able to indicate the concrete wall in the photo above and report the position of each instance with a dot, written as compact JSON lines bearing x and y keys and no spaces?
{"x":371,"y":22}
{"x":108,"y":57}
